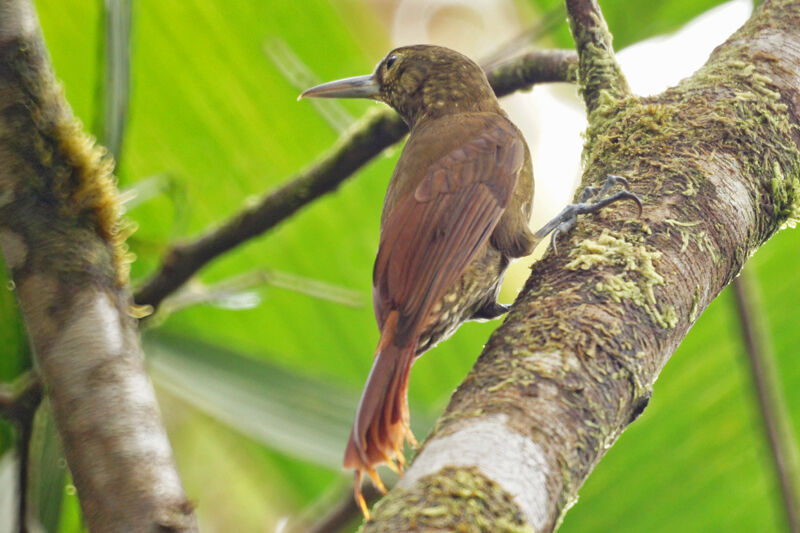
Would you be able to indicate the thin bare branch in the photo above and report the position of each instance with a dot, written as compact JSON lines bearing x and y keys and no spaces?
{"x":777,"y":425}
{"x":366,"y":140}
{"x":542,"y":66}
{"x":598,"y":69}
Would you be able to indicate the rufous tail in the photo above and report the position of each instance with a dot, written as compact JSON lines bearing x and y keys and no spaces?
{"x":381,"y":425}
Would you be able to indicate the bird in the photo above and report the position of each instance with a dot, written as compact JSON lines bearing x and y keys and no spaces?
{"x":456,"y":213}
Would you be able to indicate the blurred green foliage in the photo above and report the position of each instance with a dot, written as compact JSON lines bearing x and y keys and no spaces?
{"x":244,"y":391}
{"x":631,"y":22}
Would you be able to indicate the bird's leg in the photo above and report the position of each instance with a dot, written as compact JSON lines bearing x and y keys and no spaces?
{"x":591,"y":201}
{"x":358,"y":496}
{"x":490,"y":311}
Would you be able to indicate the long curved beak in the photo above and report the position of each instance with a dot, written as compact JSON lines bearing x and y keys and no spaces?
{"x":356,"y":87}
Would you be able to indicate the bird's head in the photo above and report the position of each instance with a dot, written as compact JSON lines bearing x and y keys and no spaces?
{"x":419,"y":82}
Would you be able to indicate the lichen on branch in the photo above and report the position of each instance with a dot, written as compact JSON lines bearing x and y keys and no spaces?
{"x":457,"y":500}
{"x":626,"y":249}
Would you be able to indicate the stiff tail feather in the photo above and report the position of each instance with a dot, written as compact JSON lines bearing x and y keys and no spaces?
{"x":381,"y":425}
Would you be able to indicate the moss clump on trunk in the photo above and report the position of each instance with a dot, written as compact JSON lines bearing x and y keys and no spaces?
{"x":460,"y":499}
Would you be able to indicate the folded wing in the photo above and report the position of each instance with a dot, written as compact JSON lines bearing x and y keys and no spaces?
{"x":432,"y":234}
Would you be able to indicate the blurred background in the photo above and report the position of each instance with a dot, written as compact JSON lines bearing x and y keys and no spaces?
{"x":259,"y":362}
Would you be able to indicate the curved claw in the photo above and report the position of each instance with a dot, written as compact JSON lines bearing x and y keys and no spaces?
{"x":627,"y":195}
{"x":553,"y":238}
{"x":618,"y":179}
{"x":622,"y":195}
{"x":614,"y":179}
{"x":639,"y":204}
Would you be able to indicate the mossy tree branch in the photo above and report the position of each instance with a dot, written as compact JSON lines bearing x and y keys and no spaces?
{"x":62,"y":242}
{"x":717,"y":162}
{"x":599,"y":73}
{"x":366,"y":140}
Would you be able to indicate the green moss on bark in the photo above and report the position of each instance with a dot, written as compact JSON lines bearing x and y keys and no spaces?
{"x":786,"y":194}
{"x":66,"y":168}
{"x":457,"y":499}
{"x":727,"y":108}
{"x":638,"y":277}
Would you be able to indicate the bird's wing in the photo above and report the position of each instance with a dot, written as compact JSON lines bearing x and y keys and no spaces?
{"x":434,"y":232}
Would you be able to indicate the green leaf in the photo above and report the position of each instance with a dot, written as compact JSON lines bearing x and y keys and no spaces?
{"x":114,"y":82}
{"x":47,"y":471}
{"x":15,"y":356}
{"x":300,"y":76}
{"x":305,"y":418}
{"x":245,"y":292}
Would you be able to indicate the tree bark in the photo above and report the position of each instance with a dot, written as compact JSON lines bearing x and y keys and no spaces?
{"x":63,"y":243}
{"x":717,"y":162}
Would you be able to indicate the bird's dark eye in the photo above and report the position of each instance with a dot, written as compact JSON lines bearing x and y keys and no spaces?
{"x":390,"y":61}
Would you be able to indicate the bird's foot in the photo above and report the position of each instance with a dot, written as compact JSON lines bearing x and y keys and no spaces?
{"x":592,"y":200}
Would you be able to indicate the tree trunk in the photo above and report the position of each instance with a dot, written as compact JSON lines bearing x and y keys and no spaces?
{"x":717,"y":162}
{"x":64,"y":245}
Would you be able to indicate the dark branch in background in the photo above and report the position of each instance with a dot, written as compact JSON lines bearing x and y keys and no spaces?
{"x":598,"y":69}
{"x":544,"y":66}
{"x":376,"y":133}
{"x":18,"y":403}
{"x":768,"y":391}
{"x":18,"y":400}
{"x":343,"y":514}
